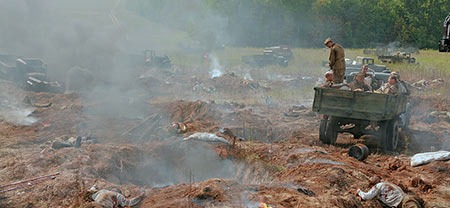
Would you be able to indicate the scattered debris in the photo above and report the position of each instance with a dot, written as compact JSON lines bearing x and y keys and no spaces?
{"x":26,"y":182}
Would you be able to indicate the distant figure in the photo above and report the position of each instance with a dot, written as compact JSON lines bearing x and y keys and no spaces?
{"x":358,"y":83}
{"x":337,"y":60}
{"x":113,"y":198}
{"x":390,"y":195}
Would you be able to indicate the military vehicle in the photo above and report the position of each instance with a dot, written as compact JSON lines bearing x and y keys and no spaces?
{"x":29,"y":73}
{"x":445,"y":40}
{"x":361,"y":113}
{"x":282,"y":50}
{"x":399,"y":57}
{"x":370,"y":62}
{"x":152,"y":60}
{"x":269,"y":57}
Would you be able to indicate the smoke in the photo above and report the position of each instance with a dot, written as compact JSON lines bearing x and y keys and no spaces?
{"x":216,"y":68}
{"x":13,"y":111}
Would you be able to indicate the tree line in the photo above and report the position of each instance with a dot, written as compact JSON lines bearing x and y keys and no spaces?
{"x":306,"y":23}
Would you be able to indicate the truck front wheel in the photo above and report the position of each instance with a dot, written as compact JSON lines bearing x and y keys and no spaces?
{"x":330,"y":130}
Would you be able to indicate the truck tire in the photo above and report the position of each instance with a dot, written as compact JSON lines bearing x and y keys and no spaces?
{"x":390,"y":135}
{"x":331,"y":131}
{"x":323,"y":129}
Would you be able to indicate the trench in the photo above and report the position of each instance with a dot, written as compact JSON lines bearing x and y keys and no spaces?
{"x":177,"y":163}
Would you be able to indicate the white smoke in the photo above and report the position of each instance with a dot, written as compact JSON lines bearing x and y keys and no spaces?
{"x":12,"y":113}
{"x":216,"y":68}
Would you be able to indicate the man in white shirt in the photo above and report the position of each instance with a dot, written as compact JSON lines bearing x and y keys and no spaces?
{"x":389,"y":194}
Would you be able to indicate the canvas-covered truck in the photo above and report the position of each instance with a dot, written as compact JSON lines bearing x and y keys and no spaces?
{"x":361,"y":113}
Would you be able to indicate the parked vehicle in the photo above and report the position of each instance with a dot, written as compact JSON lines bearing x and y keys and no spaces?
{"x":29,"y":73}
{"x":399,"y":57}
{"x":282,"y":50}
{"x":152,"y":60}
{"x":262,"y":60}
{"x":361,"y":60}
{"x":445,"y":41}
{"x":360,"y":113}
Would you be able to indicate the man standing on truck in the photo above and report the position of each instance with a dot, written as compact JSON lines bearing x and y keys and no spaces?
{"x":337,"y":60}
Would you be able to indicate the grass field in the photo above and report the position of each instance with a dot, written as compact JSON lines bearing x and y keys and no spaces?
{"x":430,"y":65}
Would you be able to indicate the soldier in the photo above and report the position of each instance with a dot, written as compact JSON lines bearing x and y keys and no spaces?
{"x":401,"y":84}
{"x":329,"y":81}
{"x":337,"y":60}
{"x":390,"y":87}
{"x":358,"y":84}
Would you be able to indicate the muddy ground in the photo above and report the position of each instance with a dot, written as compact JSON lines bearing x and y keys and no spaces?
{"x":272,"y":153}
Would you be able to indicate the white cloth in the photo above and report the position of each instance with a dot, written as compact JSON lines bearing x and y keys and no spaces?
{"x":427,"y":157}
{"x":207,"y":137}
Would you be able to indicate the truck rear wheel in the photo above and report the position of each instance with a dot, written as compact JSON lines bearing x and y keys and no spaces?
{"x":323,"y":129}
{"x":390,"y":136}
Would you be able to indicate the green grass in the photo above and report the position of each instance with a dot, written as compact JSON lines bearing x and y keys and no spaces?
{"x":430,"y":65}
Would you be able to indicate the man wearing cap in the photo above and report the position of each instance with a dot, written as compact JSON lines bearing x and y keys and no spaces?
{"x":337,"y":60}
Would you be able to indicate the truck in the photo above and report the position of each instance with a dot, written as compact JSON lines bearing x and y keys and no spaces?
{"x":281,"y":50}
{"x":399,"y":57}
{"x":370,"y":62}
{"x":153,"y":60}
{"x":361,"y":113}
{"x":29,"y":73}
{"x":267,"y":58}
{"x":445,"y":41}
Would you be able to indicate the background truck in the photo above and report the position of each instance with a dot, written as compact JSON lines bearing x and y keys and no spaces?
{"x":399,"y":57}
{"x":360,"y":113}
{"x":153,"y":60}
{"x":445,"y":41}
{"x":29,"y":73}
{"x":277,"y":55}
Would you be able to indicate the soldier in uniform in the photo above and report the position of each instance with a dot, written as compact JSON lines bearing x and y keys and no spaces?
{"x":329,"y":83}
{"x":390,"y":87}
{"x":358,"y":84}
{"x":337,"y":60}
